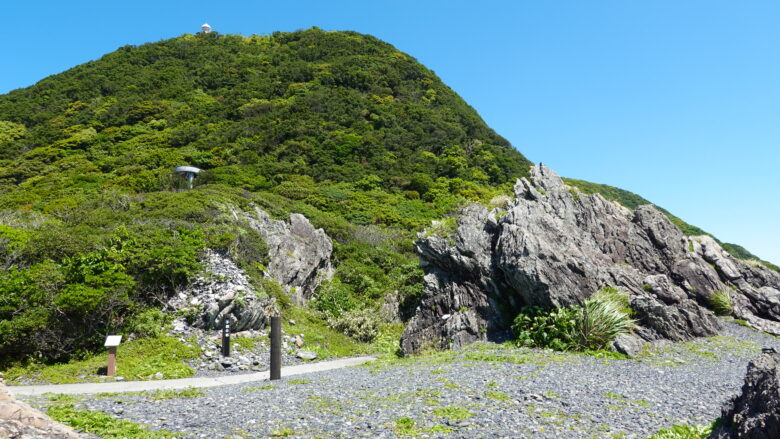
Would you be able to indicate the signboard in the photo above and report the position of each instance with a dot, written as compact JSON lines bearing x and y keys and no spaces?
{"x":113,"y":340}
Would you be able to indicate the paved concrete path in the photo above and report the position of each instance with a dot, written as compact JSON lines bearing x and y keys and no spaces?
{"x":139,"y":386}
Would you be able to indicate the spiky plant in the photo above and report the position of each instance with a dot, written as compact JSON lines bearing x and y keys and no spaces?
{"x":721,"y":303}
{"x":598,"y":321}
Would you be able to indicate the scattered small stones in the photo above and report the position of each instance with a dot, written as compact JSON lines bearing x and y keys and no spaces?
{"x":539,"y":394}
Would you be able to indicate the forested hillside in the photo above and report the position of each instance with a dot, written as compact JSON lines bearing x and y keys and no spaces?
{"x":96,"y":230}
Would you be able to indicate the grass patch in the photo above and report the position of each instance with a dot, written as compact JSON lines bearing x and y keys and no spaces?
{"x":102,"y":424}
{"x":721,"y":303}
{"x":247,"y":343}
{"x":320,"y":338}
{"x":684,"y":431}
{"x":497,"y":396}
{"x":406,"y":427}
{"x":137,"y":359}
{"x":161,"y":395}
{"x":454,"y":414}
{"x":299,"y":382}
{"x":282,"y":432}
{"x":252,"y":389}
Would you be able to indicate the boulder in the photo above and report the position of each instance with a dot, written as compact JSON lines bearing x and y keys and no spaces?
{"x":554,"y":246}
{"x":755,"y":413}
{"x":18,"y":420}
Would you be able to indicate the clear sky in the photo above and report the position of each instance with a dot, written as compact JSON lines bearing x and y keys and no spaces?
{"x":677,"y":101}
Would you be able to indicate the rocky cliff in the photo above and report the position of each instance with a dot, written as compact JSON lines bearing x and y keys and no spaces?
{"x":553,"y":246}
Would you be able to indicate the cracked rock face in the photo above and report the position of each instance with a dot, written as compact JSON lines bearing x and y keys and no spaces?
{"x":755,"y":414}
{"x":299,"y":254}
{"x":555,"y":246}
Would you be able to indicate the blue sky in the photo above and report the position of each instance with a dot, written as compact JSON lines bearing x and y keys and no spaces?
{"x":676,"y":101}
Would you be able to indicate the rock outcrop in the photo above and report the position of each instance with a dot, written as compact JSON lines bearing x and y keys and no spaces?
{"x":299,"y":260}
{"x":755,"y":414}
{"x":554,"y":246}
{"x":299,"y":254}
{"x":222,"y":292}
{"x":20,"y":421}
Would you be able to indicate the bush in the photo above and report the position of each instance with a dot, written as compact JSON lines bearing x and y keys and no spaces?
{"x":591,"y":326}
{"x":721,"y":303}
{"x":361,"y":325}
{"x":537,"y":327}
{"x":598,"y":321}
{"x":148,"y":323}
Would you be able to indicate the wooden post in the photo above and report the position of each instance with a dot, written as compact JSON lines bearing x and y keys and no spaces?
{"x":112,"y":341}
{"x":111,"y":370}
{"x":276,"y":347}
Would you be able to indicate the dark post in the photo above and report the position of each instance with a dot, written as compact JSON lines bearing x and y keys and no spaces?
{"x":276,"y":347}
{"x":226,"y":339}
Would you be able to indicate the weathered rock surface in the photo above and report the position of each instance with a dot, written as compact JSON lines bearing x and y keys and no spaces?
{"x":299,"y":259}
{"x":222,"y":291}
{"x":299,"y":254}
{"x":755,"y":414}
{"x":20,"y":421}
{"x":555,"y":246}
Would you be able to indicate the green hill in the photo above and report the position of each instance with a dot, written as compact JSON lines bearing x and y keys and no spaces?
{"x":339,"y":126}
{"x":95,"y":231}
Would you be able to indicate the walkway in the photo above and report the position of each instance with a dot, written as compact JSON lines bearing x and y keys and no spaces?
{"x":140,"y":386}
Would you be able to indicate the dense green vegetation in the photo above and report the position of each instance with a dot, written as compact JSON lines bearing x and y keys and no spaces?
{"x":588,"y":327}
{"x":96,"y":232}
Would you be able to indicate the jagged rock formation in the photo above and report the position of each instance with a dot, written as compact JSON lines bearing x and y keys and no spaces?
{"x":554,"y":246}
{"x":299,"y":254}
{"x":20,"y":421}
{"x":222,"y":291}
{"x":755,"y":414}
{"x":299,"y":259}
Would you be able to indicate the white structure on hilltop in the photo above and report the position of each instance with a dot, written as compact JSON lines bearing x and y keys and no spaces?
{"x":205,"y":28}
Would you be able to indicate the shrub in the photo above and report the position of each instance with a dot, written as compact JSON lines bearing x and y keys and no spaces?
{"x":598,"y":321}
{"x":362,"y":325}
{"x":537,"y":327}
{"x":148,"y":323}
{"x":721,"y":303}
{"x":591,"y":326}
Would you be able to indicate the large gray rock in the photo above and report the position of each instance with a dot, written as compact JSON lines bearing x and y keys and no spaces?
{"x":554,"y":246}
{"x":299,"y":254}
{"x":754,"y":414}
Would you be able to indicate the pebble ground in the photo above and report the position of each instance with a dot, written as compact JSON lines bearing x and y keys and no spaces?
{"x":485,"y":391}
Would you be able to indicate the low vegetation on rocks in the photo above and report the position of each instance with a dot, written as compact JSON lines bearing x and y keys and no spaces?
{"x":590,"y":326}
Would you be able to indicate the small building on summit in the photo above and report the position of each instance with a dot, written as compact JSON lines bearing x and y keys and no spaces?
{"x":205,"y":28}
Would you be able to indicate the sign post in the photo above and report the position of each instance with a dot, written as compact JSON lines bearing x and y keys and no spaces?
{"x":112,"y":341}
{"x":226,"y":339}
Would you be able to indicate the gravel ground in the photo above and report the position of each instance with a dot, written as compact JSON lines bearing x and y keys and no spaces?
{"x":485,"y":391}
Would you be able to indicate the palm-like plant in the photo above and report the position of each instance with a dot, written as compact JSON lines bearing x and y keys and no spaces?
{"x":598,"y":321}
